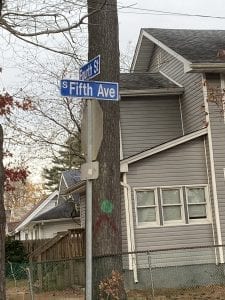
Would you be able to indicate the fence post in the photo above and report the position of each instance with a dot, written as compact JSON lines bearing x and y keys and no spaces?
{"x":151,"y":275}
{"x":14,"y":277}
{"x":30,"y":283}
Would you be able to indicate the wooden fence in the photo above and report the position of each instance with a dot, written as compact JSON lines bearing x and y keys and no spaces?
{"x":65,"y":245}
{"x":60,"y":263}
{"x":32,"y":245}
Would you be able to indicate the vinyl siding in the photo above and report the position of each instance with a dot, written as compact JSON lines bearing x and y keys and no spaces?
{"x":192,"y":99}
{"x":179,"y":166}
{"x":147,"y":122}
{"x":49,"y":230}
{"x":177,"y":257}
{"x":143,"y":55}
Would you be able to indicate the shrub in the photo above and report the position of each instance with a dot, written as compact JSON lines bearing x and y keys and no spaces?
{"x":15,"y":251}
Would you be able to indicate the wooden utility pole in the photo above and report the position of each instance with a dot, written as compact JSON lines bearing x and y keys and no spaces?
{"x":104,"y":40}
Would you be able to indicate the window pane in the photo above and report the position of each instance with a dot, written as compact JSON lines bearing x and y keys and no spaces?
{"x":172,"y":213}
{"x":146,"y":215}
{"x":196,"y":195}
{"x":145,"y":198}
{"x":197,"y":211}
{"x":171,"y":196}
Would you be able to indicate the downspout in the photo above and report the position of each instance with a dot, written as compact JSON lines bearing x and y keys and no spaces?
{"x":129,"y":218}
{"x":209,"y":191}
{"x":213,"y":175}
{"x":130,"y":227}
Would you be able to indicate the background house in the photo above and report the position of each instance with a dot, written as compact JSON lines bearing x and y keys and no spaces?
{"x":25,"y":230}
{"x":54,"y":214}
{"x":63,"y":217}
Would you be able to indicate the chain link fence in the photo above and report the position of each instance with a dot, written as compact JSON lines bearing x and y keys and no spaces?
{"x":187,"y":273}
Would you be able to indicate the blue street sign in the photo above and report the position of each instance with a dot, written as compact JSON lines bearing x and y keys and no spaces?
{"x":91,"y":69}
{"x":90,"y":89}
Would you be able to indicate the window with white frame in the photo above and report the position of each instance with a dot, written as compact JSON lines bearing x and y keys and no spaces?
{"x":196,"y":202}
{"x":172,"y":204}
{"x":146,"y":207}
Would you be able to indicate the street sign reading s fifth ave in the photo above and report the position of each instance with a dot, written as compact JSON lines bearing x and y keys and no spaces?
{"x":100,"y":90}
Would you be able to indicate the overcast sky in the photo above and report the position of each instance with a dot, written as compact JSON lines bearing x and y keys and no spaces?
{"x":134,"y":15}
{"x":138,"y":16}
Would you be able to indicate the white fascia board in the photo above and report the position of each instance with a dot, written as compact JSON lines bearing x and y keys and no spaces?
{"x":166,"y":48}
{"x":171,"y":79}
{"x":136,"y":52}
{"x":35,"y":212}
{"x":55,"y":220}
{"x":152,"y":92}
{"x":165,"y":146}
{"x":206,"y":67}
{"x":64,"y":179}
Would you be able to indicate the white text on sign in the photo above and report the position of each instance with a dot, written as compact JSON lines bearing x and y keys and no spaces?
{"x":90,"y":89}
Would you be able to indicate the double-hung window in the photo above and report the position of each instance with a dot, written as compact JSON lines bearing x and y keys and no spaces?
{"x":146,"y":207}
{"x":196,"y":202}
{"x":172,"y":205}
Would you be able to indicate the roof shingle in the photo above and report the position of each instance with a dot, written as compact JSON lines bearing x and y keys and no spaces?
{"x":63,"y":211}
{"x":197,"y":46}
{"x":141,"y":81}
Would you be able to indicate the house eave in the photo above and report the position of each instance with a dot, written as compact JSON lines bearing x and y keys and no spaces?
{"x":33,"y":213}
{"x":152,"y":92}
{"x":54,"y":220}
{"x":206,"y":67}
{"x":137,"y":49}
{"x":165,"y":146}
{"x":78,"y":187}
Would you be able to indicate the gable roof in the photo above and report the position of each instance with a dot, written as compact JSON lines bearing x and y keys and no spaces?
{"x":164,"y":146}
{"x":66,"y":210}
{"x":132,"y":84}
{"x":68,"y":178}
{"x":197,"y":46}
{"x":35,"y":210}
{"x":193,"y":47}
{"x":71,"y":177}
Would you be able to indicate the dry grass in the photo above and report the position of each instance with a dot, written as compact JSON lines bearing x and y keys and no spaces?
{"x":214,"y":292}
{"x":201,"y":293}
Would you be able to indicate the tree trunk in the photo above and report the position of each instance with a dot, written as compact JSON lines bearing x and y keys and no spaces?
{"x":103,"y":40}
{"x":2,"y":222}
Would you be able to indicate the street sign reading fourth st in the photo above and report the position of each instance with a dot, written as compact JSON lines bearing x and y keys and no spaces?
{"x":100,"y":90}
{"x":90,"y":69}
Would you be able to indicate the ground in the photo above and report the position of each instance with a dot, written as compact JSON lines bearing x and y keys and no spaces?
{"x":21,"y":291}
{"x":201,"y":293}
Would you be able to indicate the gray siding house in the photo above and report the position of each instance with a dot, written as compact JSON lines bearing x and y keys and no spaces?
{"x":173,"y":149}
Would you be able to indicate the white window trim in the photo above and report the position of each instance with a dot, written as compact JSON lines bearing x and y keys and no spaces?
{"x":208,"y":220}
{"x":182,"y":220}
{"x":207,"y":204}
{"x":147,"y":224}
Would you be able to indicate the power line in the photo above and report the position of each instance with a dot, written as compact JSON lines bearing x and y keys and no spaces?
{"x":147,"y":11}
